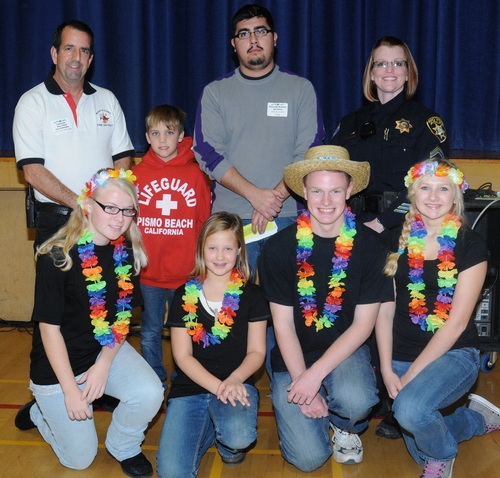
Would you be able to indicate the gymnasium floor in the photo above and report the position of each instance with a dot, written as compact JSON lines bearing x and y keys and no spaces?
{"x":24,"y":454}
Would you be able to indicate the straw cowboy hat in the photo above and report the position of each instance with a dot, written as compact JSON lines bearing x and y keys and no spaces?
{"x":326,"y":158}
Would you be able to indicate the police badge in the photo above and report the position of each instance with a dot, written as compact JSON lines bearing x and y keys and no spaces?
{"x":403,"y":126}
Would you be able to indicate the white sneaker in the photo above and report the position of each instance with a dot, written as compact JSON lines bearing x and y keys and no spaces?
{"x":490,"y":413}
{"x":347,"y":447}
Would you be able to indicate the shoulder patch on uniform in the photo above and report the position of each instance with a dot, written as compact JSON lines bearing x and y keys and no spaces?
{"x":435,"y":124}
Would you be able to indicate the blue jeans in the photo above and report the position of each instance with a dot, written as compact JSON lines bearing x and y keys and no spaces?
{"x":193,"y":424}
{"x":350,"y":393}
{"x":132,"y":381}
{"x":254,"y":250}
{"x":152,"y":316}
{"x":429,"y":435}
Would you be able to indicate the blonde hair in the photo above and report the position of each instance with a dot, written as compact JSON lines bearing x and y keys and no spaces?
{"x":219,"y":222}
{"x":369,"y":87}
{"x":458,"y":209}
{"x":61,"y":243}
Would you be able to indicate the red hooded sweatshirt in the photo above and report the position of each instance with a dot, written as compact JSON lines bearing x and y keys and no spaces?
{"x":174,"y":201}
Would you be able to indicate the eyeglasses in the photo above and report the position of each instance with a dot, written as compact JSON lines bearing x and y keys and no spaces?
{"x":246,"y":34}
{"x":394,"y":63}
{"x":113,"y":210}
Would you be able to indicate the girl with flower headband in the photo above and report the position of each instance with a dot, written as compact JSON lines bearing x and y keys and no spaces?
{"x":218,"y":332}
{"x":86,"y":286}
{"x":427,"y":339}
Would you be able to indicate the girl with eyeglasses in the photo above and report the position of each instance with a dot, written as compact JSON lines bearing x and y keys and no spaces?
{"x":86,"y":286}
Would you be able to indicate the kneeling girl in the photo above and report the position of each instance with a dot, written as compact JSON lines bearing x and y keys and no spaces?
{"x":218,"y":332}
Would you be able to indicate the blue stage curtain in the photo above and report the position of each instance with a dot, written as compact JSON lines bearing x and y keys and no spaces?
{"x":151,"y":52}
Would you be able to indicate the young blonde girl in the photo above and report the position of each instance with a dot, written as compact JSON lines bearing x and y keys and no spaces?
{"x":86,"y":286}
{"x":427,"y":339}
{"x":218,"y":334}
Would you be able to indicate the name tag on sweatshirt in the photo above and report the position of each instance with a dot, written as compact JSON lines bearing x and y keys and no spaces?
{"x":277,"y":109}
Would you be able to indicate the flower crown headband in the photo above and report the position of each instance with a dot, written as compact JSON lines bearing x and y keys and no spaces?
{"x":101,"y":179}
{"x":439,"y":170}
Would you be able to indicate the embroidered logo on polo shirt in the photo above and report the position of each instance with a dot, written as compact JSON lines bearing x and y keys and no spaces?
{"x":104,"y":118}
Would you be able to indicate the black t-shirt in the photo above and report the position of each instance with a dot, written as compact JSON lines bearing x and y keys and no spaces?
{"x":409,"y":339}
{"x":61,"y":299}
{"x":365,"y":284}
{"x":220,"y":359}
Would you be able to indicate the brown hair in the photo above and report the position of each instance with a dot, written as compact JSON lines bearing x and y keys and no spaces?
{"x":77,"y":25}
{"x":169,"y":115}
{"x":369,"y":87}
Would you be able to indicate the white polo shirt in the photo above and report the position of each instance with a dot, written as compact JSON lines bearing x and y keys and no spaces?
{"x":71,"y":144}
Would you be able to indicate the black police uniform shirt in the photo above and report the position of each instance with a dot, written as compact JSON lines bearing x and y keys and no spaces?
{"x":392,"y":137}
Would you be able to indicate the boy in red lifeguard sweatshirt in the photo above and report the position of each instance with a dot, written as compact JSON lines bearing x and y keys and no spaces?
{"x":174,"y":199}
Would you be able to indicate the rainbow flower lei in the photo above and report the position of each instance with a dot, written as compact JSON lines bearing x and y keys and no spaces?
{"x":224,"y":320}
{"x":340,"y":261}
{"x":97,"y":290}
{"x":446,"y":274}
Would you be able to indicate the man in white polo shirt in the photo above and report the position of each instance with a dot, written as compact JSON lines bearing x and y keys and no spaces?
{"x":66,"y":128}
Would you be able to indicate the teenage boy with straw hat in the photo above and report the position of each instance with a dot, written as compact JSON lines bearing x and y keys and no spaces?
{"x":323,"y":279}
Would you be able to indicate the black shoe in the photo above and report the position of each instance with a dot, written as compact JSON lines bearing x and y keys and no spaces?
{"x":389,"y":428}
{"x":23,"y":420}
{"x":234,"y":460}
{"x":137,"y":467}
{"x":106,"y":402}
{"x":381,"y":409}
